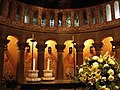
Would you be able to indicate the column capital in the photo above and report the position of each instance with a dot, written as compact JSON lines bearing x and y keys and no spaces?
{"x":22,"y":45}
{"x":60,"y":47}
{"x":41,"y":47}
{"x":97,"y":46}
{"x":3,"y":42}
{"x":79,"y":47}
{"x":116,"y":44}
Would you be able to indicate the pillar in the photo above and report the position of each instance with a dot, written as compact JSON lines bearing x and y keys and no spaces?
{"x":39,"y":17}
{"x":63,"y":19}
{"x":56,"y":18}
{"x":112,"y":10}
{"x":80,"y":19}
{"x":72,"y":18}
{"x":98,"y":47}
{"x":22,"y":13}
{"x":2,"y":47}
{"x":104,"y":13}
{"x":31,"y":15}
{"x":79,"y":55}
{"x":40,"y":63}
{"x":5,"y":8}
{"x":20,"y":62}
{"x":60,"y":48}
{"x":88,"y":16}
{"x":47,"y":18}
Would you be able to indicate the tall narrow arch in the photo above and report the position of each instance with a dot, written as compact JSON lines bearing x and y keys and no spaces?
{"x":116,"y":9}
{"x":108,"y":12}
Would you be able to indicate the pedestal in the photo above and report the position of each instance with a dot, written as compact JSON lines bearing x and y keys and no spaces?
{"x":48,"y":75}
{"x":33,"y":76}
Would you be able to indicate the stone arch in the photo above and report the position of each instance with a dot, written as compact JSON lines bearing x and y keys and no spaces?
{"x":86,"y":51}
{"x":11,"y":56}
{"x":107,"y":46}
{"x":68,"y":58}
{"x":52,"y":56}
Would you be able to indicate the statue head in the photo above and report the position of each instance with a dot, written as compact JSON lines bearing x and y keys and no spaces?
{"x":70,"y":50}
{"x":49,"y":50}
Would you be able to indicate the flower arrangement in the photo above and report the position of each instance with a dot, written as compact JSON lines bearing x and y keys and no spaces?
{"x":100,"y":73}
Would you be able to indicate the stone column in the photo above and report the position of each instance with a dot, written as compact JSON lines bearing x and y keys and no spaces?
{"x":14,"y":8}
{"x":97,"y":19}
{"x":79,"y":54}
{"x":116,"y":44}
{"x":72,"y":18}
{"x":104,"y":13}
{"x":88,"y":16}
{"x":31,"y":15}
{"x":112,"y":10}
{"x":56,"y":18}
{"x":80,"y":18}
{"x":2,"y":47}
{"x":20,"y":62}
{"x":60,"y":48}
{"x":98,"y":47}
{"x":22,"y":13}
{"x":47,"y":18}
{"x":63,"y":19}
{"x":40,"y":63}
{"x":39,"y":17}
{"x":5,"y":8}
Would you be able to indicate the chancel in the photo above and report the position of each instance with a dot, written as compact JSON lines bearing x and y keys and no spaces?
{"x":60,"y":44}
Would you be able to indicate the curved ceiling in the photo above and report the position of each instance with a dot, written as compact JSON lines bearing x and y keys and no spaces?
{"x":60,"y":4}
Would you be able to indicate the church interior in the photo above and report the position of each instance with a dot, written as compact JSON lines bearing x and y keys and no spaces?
{"x":47,"y":40}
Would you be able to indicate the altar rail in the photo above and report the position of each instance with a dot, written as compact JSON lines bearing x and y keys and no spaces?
{"x":33,"y":18}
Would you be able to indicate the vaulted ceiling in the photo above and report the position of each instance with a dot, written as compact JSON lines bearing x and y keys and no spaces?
{"x":64,"y":3}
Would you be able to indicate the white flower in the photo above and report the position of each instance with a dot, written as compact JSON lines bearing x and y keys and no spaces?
{"x":104,"y":78}
{"x":110,"y":72}
{"x":111,"y":62}
{"x":80,"y":70}
{"x":95,"y":57}
{"x":107,"y":89}
{"x":111,"y":78}
{"x":95,"y":64}
{"x":102,"y":87}
{"x":106,"y":65}
{"x":97,"y":77}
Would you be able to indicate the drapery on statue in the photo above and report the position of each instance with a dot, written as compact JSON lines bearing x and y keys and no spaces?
{"x":69,"y":64}
{"x":53,"y":61}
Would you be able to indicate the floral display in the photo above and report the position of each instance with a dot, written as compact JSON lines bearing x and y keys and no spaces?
{"x":100,"y":73}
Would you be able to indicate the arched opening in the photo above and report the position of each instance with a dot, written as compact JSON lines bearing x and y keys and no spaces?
{"x":30,"y":53}
{"x":107,"y":46}
{"x":108,"y":12}
{"x":116,"y":9}
{"x":10,"y":57}
{"x":51,"y":54}
{"x":35,"y":17}
{"x":27,"y":16}
{"x":69,"y":59}
{"x":87,"y":49}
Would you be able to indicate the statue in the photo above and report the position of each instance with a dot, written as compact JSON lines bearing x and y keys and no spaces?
{"x":53,"y":61}
{"x":27,"y":61}
{"x":69,"y":64}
